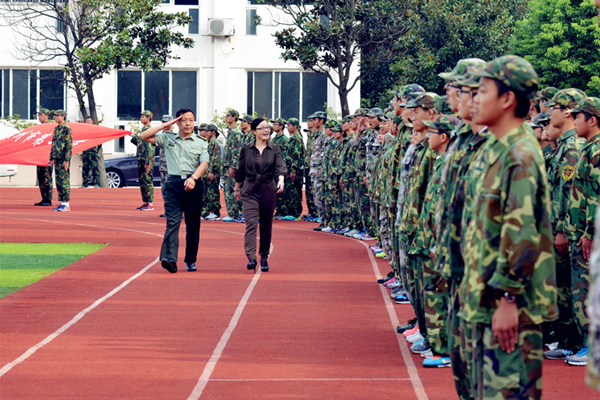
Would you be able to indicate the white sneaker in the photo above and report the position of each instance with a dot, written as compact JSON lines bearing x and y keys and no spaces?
{"x":427,"y":354}
{"x":326,"y":230}
{"x":414,"y":338}
{"x":212,"y":217}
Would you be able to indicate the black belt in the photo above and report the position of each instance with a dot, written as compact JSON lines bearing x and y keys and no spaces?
{"x":182,"y":176}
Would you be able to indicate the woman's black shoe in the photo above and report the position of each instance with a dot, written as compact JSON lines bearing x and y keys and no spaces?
{"x":264,"y":265}
{"x":252,"y":265}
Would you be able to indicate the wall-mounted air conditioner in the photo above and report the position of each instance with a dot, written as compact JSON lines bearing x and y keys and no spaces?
{"x":220,"y":27}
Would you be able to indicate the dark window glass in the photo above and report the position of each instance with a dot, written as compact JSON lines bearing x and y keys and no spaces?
{"x":263,"y":94}
{"x":1,"y":93}
{"x":276,"y":95}
{"x":193,"y":26}
{"x":156,"y":92}
{"x":129,"y":95}
{"x":186,"y":2}
{"x":185,"y":86}
{"x":32,"y":95}
{"x":250,"y":109}
{"x":250,"y":27}
{"x":20,"y":94}
{"x":6,"y":96}
{"x":290,"y":95}
{"x":314,"y":93}
{"x":52,"y":93}
{"x":120,"y":142}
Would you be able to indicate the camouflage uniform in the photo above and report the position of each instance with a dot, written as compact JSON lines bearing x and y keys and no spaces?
{"x":350,"y":215}
{"x":360,"y":189}
{"x":296,"y":156}
{"x":316,"y":159}
{"x":62,"y":145}
{"x":331,"y":172}
{"x":232,"y":145}
{"x":89,"y":166}
{"x":44,"y":178}
{"x":378,"y":189}
{"x":327,"y":189}
{"x":145,"y":155}
{"x":282,"y":207}
{"x":212,"y":198}
{"x":507,"y":252}
{"x":308,"y":187}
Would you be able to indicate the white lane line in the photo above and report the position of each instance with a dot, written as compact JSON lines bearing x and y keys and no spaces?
{"x":310,"y":380}
{"x":73,"y":321}
{"x":408,"y":361}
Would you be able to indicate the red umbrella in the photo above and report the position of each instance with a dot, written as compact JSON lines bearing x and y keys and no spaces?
{"x":32,"y":145}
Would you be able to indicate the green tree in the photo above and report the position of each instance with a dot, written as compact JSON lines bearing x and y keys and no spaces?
{"x":328,"y":36}
{"x":561,"y":39}
{"x":92,"y":37}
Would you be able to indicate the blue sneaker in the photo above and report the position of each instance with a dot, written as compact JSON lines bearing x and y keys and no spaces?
{"x":228,"y":219}
{"x":317,"y":220}
{"x":401,"y":299}
{"x":288,"y":218}
{"x":240,"y":219}
{"x":437,"y":362}
{"x":579,"y":359}
{"x":420,"y":347}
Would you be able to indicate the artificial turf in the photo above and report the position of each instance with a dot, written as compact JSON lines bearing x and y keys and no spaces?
{"x":22,"y":264}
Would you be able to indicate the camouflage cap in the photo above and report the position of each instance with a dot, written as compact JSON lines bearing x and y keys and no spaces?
{"x":232,"y":113}
{"x":279,"y":121}
{"x":515,"y":72}
{"x":441,"y":104}
{"x":248,"y":118}
{"x":589,"y":105}
{"x":336,"y":127}
{"x":61,"y":112}
{"x":398,"y":91}
{"x":444,"y":123}
{"x":44,"y":111}
{"x":540,"y":120}
{"x":546,"y":94}
{"x":321,"y":115}
{"x":568,"y":98}
{"x":330,"y":124}
{"x":147,"y":114}
{"x":212,"y":127}
{"x":375,"y":112}
{"x":361,"y":112}
{"x":347,"y":118}
{"x":470,"y":78}
{"x":461,"y":68}
{"x":166,"y":118}
{"x":294,"y":121}
{"x":413,"y":88}
{"x":397,"y":119}
{"x":423,"y":100}
{"x":411,"y":97}
{"x":202,"y":126}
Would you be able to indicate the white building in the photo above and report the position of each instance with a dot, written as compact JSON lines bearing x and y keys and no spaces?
{"x":241,"y":69}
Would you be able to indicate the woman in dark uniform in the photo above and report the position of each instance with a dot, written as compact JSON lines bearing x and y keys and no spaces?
{"x":260,"y":164}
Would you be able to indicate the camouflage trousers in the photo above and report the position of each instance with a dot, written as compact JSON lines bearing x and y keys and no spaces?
{"x":435,"y":300}
{"x":414,"y":269}
{"x":234,"y":207}
{"x":580,"y":279}
{"x":363,"y":206}
{"x":566,"y":332}
{"x":333,"y":208}
{"x":385,"y":239}
{"x":403,"y":260}
{"x":457,"y":346}
{"x":317,"y":192}
{"x":89,"y":167}
{"x":281,"y":207}
{"x":63,"y":180}
{"x":212,"y":197}
{"x":351,"y":216}
{"x":308,"y":191}
{"x":497,"y":374}
{"x":44,"y":178}
{"x":146,"y":181}
{"x":393,"y":232}
{"x":295,"y":195}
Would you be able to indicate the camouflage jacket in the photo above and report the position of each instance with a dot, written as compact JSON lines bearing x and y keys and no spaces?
{"x":282,"y":141}
{"x":331,"y":157}
{"x":360,"y":152}
{"x":233,"y":144}
{"x":585,"y":193}
{"x":145,"y":151}
{"x":372,"y":148}
{"x":245,"y":138}
{"x":509,"y":243}
{"x":62,"y":143}
{"x":449,"y":213}
{"x":560,"y":175}
{"x":214,"y":152}
{"x":379,"y":171}
{"x":296,"y":153}
{"x":318,"y":147}
{"x":547,"y":152}
{"x":346,"y":164}
{"x":390,"y":196}
{"x":310,"y":138}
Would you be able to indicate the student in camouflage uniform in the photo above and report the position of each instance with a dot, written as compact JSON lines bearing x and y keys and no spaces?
{"x":509,"y":285}
{"x":312,"y":214}
{"x":580,"y":219}
{"x":232,"y":146}
{"x":145,"y":163}
{"x":282,"y":207}
{"x":316,"y":159}
{"x":60,"y":157}
{"x":544,"y":96}
{"x":347,"y":178}
{"x":295,"y":169}
{"x":377,"y":184}
{"x":211,"y":210}
{"x":324,"y":176}
{"x":372,"y":147}
{"x":44,"y":172}
{"x":561,"y":171}
{"x":89,"y":161}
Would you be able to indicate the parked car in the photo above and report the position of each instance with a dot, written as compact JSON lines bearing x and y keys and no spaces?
{"x":8,"y":170}
{"x":122,"y":171}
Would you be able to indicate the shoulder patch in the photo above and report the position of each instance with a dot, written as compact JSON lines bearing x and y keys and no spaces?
{"x":568,"y":173}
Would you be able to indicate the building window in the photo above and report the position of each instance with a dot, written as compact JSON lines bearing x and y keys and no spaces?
{"x":162,"y":92}
{"x":30,"y":89}
{"x":193,"y":27}
{"x":277,"y":94}
{"x":250,"y":26}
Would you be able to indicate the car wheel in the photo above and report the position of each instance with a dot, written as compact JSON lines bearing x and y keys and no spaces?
{"x":115,"y":179}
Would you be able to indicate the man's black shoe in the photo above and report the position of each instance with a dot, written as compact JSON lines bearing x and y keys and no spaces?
{"x":43,"y":203}
{"x":264,"y":265}
{"x":409,"y":325}
{"x":169,"y":265}
{"x":191,"y":267}
{"x":386,"y":278}
{"x":162,"y":216}
{"x":319,"y":228}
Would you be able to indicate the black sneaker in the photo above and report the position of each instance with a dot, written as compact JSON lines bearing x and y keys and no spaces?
{"x":409,"y":325}
{"x":43,"y":203}
{"x":386,"y":278}
{"x":191,"y":267}
{"x":319,"y":228}
{"x":264,"y":265}
{"x":169,"y":265}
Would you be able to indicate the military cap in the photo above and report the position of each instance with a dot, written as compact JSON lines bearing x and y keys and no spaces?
{"x":336,"y":127}
{"x":461,"y":68}
{"x":589,"y":105}
{"x":375,"y":112}
{"x":390,"y":115}
{"x":540,"y":120}
{"x":279,"y":121}
{"x":470,"y":78}
{"x":248,"y":118}
{"x":233,"y":113}
{"x":211,"y":127}
{"x":61,"y":112}
{"x":413,"y":88}
{"x":294,"y":121}
{"x":166,"y":118}
{"x":398,"y":91}
{"x":515,"y":72}
{"x":445,"y":123}
{"x":397,"y":119}
{"x":546,"y":94}
{"x":306,"y":130}
{"x":423,"y":100}
{"x":330,"y":124}
{"x":409,"y":98}
{"x":202,"y":126}
{"x":347,"y":118}
{"x":319,"y":114}
{"x":147,"y":114}
{"x":361,"y":112}
{"x":44,"y":111}
{"x":441,"y":104}
{"x":566,"y":97}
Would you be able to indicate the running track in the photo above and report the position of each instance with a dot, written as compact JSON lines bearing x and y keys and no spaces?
{"x":115,"y":325}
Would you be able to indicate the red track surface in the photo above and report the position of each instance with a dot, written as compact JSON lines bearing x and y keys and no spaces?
{"x":316,"y":326}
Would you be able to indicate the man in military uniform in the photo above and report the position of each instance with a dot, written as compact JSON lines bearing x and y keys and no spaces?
{"x":232,"y":146}
{"x":187,"y":161}
{"x":509,"y":285}
{"x":295,"y":170}
{"x":316,"y":158}
{"x":89,"y":166}
{"x":44,"y":172}
{"x":60,"y":157}
{"x":212,"y":198}
{"x":145,"y":163}
{"x":281,"y":209}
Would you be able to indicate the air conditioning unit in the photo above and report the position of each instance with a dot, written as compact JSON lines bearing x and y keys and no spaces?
{"x":220,"y":27}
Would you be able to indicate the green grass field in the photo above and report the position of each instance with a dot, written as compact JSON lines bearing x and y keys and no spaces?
{"x":22,"y":264}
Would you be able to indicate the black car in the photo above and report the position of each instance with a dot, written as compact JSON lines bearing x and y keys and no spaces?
{"x":122,"y":171}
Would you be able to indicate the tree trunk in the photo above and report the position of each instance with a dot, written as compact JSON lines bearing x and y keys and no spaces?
{"x":344,"y":102}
